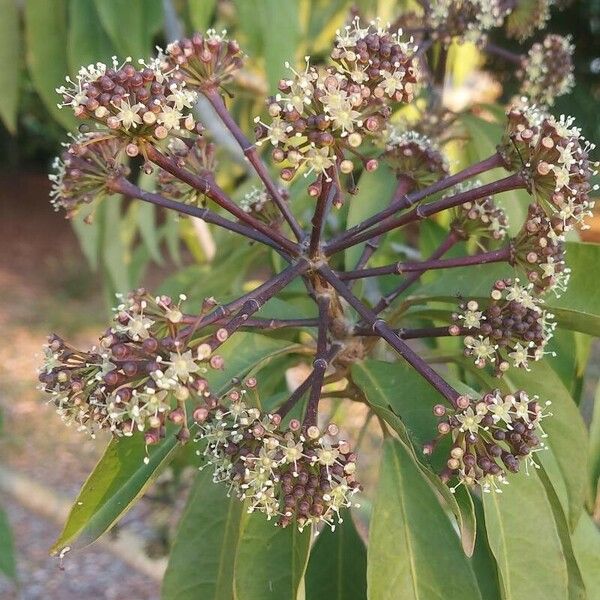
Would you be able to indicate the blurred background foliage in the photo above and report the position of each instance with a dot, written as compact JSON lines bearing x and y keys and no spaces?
{"x":41,"y":42}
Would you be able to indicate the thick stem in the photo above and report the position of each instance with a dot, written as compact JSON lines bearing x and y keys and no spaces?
{"x":386,"y":300}
{"x":501,"y":255}
{"x":251,"y":154}
{"x":380,"y":327}
{"x":403,"y":201}
{"x":125,"y":187}
{"x":512,"y":182}
{"x":275,"y":324}
{"x":320,"y":363}
{"x":404,"y":185}
{"x":328,"y":191}
{"x":208,"y":187}
{"x":289,"y":404}
{"x":412,"y":334}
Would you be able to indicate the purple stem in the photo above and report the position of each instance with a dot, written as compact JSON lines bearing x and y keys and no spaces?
{"x":386,"y":300}
{"x":251,"y":154}
{"x":125,"y":187}
{"x":404,"y":201}
{"x":208,"y":187}
{"x":503,"y":254}
{"x":320,"y":363}
{"x":328,"y":191}
{"x":504,"y":53}
{"x":411,"y":334}
{"x":381,"y":328}
{"x":512,"y":182}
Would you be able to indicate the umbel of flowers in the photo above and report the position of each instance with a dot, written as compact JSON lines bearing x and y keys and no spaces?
{"x":494,"y":433}
{"x":295,"y":473}
{"x":149,"y":372}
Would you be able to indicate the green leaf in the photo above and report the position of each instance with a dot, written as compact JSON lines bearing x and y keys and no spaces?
{"x":375,"y":190}
{"x":45,"y":38}
{"x":86,"y":44}
{"x":524,"y":539}
{"x":586,"y":544}
{"x":146,"y":220}
{"x":567,"y":434}
{"x":483,"y":561}
{"x":114,"y":253}
{"x":395,"y":386}
{"x":413,"y":551}
{"x":270,"y":561}
{"x":10,"y":59}
{"x":579,"y":307}
{"x":7,"y":552}
{"x":131,"y":24}
{"x":201,"y":12}
{"x":338,"y":564}
{"x":576,"y":585}
{"x":121,"y":477}
{"x":594,"y":473}
{"x":201,"y":560}
{"x":88,"y":234}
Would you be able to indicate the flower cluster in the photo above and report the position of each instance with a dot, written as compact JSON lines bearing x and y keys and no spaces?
{"x":415,"y":156}
{"x":322,"y":114}
{"x":139,"y":375}
{"x":540,"y":252}
{"x":260,"y":205}
{"x":511,"y":328}
{"x":554,"y":157}
{"x":547,"y":70}
{"x":82,"y":171}
{"x":465,"y":20}
{"x":490,"y":435}
{"x":143,"y":103}
{"x":204,"y":61}
{"x":293,"y":474}
{"x":479,"y":218}
{"x":526,"y":17}
{"x":198,"y":157}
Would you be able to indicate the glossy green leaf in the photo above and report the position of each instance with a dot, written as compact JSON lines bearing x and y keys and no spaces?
{"x":87,"y":42}
{"x":131,"y":24}
{"x":594,"y":462}
{"x":45,"y":36}
{"x":391,"y":389}
{"x":270,"y":561}
{"x":483,"y":561}
{"x":10,"y":59}
{"x":375,"y":191}
{"x":567,"y":434}
{"x":413,"y":551}
{"x":200,"y":12}
{"x":575,"y":580}
{"x":524,"y":539}
{"x":337,"y":569}
{"x":7,"y":552}
{"x":121,"y":476}
{"x":586,"y":544}
{"x":201,"y":559}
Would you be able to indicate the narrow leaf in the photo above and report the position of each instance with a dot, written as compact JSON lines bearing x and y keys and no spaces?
{"x":7,"y":552}
{"x":337,"y":569}
{"x":524,"y":539}
{"x":586,"y":544}
{"x":45,"y":36}
{"x":270,"y":561}
{"x":10,"y":59}
{"x":413,"y":552}
{"x":201,"y":12}
{"x":201,"y":560}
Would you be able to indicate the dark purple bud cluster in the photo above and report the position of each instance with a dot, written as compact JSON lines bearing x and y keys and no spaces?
{"x":133,"y":103}
{"x":490,"y":435}
{"x":415,"y":156}
{"x":540,"y":252}
{"x":138,"y":377}
{"x":295,"y":474}
{"x":510,"y":328}
{"x":323,"y":114}
{"x":547,"y":70}
{"x":465,"y":20}
{"x":204,"y":61}
{"x":479,"y":218}
{"x":554,"y":157}
{"x":195,"y":155}
{"x":83,"y":170}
